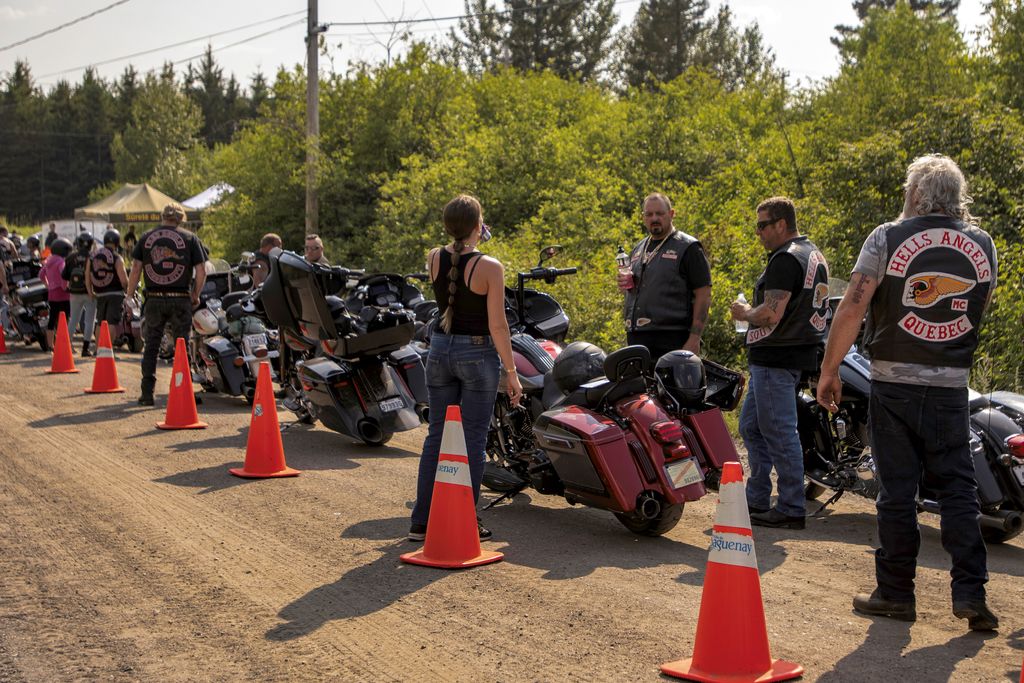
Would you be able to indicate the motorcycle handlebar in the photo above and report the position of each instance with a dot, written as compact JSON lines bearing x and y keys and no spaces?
{"x":547,"y":273}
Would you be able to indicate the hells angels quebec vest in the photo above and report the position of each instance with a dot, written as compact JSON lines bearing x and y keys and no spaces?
{"x":928,"y":306}
{"x":807,"y":312}
{"x":660,"y":299}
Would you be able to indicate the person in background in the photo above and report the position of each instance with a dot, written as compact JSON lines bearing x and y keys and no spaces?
{"x":261,"y":259}
{"x":51,"y":236}
{"x":83,"y":305}
{"x":787,"y":326}
{"x":924,"y":281}
{"x":107,"y":279}
{"x":668,"y":288}
{"x":468,"y":351}
{"x":315,"y":250}
{"x":56,"y":286}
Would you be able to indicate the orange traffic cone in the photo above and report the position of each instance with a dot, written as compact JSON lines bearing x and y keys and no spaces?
{"x":264,"y":452}
{"x":63,"y":362}
{"x":3,"y":341}
{"x":732,"y":640}
{"x":104,"y":374}
{"x":453,"y":540}
{"x":181,"y":402}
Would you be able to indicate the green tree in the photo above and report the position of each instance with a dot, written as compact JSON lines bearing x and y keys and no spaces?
{"x":164,"y":122}
{"x":661,"y":42}
{"x":1005,"y":51}
{"x":571,"y":39}
{"x":850,"y":38}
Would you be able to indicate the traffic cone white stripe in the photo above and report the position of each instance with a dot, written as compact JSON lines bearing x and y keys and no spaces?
{"x":452,"y":469}
{"x":731,"y":510}
{"x":734,"y":549}
{"x":102,"y":352}
{"x":453,"y":440}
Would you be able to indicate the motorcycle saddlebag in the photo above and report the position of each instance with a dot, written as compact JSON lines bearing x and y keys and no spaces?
{"x":591,"y":455}
{"x":714,"y":437}
{"x":228,"y":377}
{"x":32,"y":292}
{"x":411,"y":368}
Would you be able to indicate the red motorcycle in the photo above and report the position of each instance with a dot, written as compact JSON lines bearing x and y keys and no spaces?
{"x":640,"y":442}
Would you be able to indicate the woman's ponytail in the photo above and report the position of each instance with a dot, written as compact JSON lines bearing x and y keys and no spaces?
{"x":461,"y":216}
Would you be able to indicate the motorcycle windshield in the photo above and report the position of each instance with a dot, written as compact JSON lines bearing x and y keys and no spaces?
{"x":304,"y":296}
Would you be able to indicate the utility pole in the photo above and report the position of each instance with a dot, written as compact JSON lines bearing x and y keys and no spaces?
{"x":313,"y":31}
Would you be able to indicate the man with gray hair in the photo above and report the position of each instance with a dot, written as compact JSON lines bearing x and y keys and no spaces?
{"x":924,"y":281}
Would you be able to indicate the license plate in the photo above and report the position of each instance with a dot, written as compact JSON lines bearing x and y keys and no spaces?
{"x":255,"y":340}
{"x":390,"y":405}
{"x":684,"y":472}
{"x":1018,"y":471}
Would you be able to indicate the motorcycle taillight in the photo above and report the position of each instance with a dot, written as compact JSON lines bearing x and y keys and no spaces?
{"x":667,"y":432}
{"x":1015,"y":445}
{"x":551,"y":347}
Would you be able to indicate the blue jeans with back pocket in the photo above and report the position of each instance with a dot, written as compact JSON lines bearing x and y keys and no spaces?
{"x":462,"y":370}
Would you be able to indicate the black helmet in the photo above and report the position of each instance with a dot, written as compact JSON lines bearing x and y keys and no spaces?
{"x":682,"y":374}
{"x":61,"y":247}
{"x":579,"y":363}
{"x":112,"y":237}
{"x":32,"y":242}
{"x":83,"y":242}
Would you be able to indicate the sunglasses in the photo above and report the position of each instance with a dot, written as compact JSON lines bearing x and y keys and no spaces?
{"x":761,"y":225}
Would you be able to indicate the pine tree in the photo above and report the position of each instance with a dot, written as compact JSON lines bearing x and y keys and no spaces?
{"x":205,"y":87}
{"x":569,"y":38}
{"x":846,"y":40}
{"x":661,"y":42}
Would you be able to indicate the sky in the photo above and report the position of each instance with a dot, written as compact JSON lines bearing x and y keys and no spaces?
{"x":798,"y":32}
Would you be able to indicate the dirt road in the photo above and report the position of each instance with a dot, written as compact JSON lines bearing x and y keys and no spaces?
{"x":127,"y":553}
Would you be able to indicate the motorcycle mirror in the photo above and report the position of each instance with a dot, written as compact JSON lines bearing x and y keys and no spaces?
{"x":548,"y":252}
{"x":246,"y":256}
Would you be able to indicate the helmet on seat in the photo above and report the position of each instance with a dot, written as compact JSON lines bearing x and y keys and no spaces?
{"x":579,"y":363}
{"x":682,"y":374}
{"x":61,"y":247}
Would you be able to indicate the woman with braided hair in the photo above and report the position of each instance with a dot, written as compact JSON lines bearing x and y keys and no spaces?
{"x":468,"y":352}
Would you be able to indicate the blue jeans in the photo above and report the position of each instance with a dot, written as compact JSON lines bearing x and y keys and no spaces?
{"x":768,"y":425}
{"x":461,"y":370}
{"x":925,"y":430}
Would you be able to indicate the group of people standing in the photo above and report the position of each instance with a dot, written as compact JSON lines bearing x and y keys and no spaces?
{"x":923,"y":280}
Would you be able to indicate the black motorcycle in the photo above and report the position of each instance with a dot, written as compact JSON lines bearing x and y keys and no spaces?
{"x":336,"y":367}
{"x":28,"y":309}
{"x":837,"y":448}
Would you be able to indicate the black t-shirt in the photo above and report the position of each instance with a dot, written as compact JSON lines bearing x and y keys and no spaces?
{"x":693,"y":267}
{"x":168,"y":256}
{"x":785,"y":273}
{"x":50,"y":237}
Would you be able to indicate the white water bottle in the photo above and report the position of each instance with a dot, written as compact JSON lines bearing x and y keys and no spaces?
{"x":741,"y":325}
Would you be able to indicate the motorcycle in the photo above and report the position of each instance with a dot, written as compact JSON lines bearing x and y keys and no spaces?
{"x":229,"y":340}
{"x":29,"y":311}
{"x":837,"y":447}
{"x":338,"y":369}
{"x":625,"y":442}
{"x":536,"y":313}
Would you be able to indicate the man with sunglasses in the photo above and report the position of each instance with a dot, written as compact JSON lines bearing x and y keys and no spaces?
{"x":787,"y":328}
{"x":668,"y":286}
{"x":315,"y":250}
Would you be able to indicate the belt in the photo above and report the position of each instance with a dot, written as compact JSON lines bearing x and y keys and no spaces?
{"x":161,"y":295}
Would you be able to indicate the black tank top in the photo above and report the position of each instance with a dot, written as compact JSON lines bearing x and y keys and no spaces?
{"x":470,"y":315}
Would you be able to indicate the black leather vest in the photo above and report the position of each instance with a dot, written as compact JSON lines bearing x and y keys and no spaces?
{"x":803,"y":321}
{"x":660,"y":298}
{"x":104,"y":273}
{"x":928,"y":307}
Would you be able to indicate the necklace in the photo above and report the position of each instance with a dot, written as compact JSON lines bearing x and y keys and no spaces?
{"x":649,"y":255}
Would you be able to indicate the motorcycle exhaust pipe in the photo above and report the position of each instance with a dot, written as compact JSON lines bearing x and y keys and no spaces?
{"x":1003,"y":520}
{"x":369,"y":430}
{"x":648,"y":508}
{"x":424,"y":412}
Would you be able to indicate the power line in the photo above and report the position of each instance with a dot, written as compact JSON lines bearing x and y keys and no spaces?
{"x":496,"y":13}
{"x":64,"y":25}
{"x":172,"y":45}
{"x":240,"y":42}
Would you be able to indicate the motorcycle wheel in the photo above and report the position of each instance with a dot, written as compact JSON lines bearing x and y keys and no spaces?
{"x":997,"y":536}
{"x":663,"y":523}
